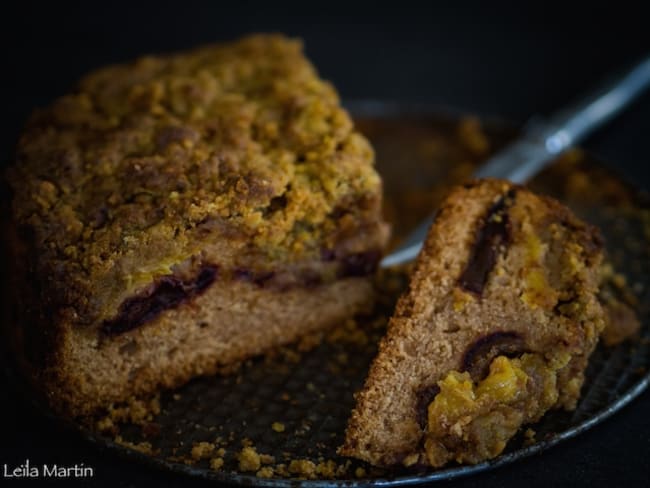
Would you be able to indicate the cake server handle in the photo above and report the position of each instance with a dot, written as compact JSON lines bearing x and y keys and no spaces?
{"x":542,"y":141}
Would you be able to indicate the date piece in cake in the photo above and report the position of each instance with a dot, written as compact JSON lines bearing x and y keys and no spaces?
{"x":495,"y":329}
{"x":180,"y":213}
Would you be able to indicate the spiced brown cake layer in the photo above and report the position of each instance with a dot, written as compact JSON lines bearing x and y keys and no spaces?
{"x":495,"y":329}
{"x":178,"y":213}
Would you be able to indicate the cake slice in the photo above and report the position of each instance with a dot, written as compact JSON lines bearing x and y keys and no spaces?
{"x":180,"y":213}
{"x":495,"y":329}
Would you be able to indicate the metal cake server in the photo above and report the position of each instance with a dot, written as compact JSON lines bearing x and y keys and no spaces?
{"x":542,"y":141}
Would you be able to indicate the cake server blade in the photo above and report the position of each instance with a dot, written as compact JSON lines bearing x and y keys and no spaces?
{"x":544,"y":140}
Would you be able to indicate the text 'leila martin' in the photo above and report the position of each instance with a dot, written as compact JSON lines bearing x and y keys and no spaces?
{"x":27,"y":470}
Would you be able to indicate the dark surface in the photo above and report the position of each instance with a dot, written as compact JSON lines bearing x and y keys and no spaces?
{"x":312,"y":396}
{"x":489,"y":61}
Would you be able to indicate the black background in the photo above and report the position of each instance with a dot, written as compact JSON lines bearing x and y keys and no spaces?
{"x":488,"y":59}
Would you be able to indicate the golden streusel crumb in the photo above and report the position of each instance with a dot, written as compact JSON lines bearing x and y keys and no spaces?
{"x":249,"y":459}
{"x":302,"y":467}
{"x":202,"y":450}
{"x":265,"y":472}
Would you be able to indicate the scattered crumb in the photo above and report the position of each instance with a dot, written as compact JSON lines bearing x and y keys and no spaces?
{"x":326,"y":469}
{"x":143,"y":447}
{"x":202,"y":450}
{"x":265,"y":472}
{"x":302,"y":467}
{"x":105,"y":424}
{"x":305,"y":427}
{"x":138,"y":411}
{"x":216,"y":463}
{"x":411,"y":459}
{"x":281,"y":470}
{"x":249,"y":459}
{"x":529,"y":437}
{"x":359,"y":472}
{"x":277,"y":426}
{"x":267,"y":459}
{"x":342,"y":469}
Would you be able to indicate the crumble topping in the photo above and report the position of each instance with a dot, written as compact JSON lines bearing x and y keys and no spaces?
{"x":145,"y":162}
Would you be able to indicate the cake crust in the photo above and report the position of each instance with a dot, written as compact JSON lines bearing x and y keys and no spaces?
{"x":159,"y":181}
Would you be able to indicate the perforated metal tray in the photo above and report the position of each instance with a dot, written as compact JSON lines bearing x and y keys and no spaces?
{"x":419,"y":153}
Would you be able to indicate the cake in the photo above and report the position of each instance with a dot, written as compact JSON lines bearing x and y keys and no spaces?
{"x":495,"y":329}
{"x":180,"y":213}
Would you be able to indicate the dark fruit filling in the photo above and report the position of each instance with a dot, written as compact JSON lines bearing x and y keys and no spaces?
{"x":479,"y":355}
{"x":491,"y":236}
{"x":166,"y":293}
